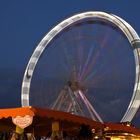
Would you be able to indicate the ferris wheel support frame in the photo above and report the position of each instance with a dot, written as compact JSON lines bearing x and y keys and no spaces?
{"x":130,"y":33}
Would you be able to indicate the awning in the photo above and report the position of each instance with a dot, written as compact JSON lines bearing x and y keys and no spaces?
{"x":43,"y":118}
{"x":13,"y":112}
{"x":122,"y":127}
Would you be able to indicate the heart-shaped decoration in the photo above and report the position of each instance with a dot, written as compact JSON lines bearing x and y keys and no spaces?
{"x":23,"y":122}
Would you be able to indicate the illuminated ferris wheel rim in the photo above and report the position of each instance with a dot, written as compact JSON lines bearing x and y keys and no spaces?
{"x":129,"y":32}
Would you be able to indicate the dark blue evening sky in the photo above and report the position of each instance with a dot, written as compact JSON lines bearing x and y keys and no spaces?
{"x":23,"y":23}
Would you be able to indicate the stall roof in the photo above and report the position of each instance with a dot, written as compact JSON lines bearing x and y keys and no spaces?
{"x":13,"y":112}
{"x":50,"y":114}
{"x":122,"y":127}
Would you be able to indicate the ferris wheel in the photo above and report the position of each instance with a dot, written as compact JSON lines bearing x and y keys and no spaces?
{"x":71,"y":95}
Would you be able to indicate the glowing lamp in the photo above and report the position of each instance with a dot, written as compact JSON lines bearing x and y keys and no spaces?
{"x":55,"y":126}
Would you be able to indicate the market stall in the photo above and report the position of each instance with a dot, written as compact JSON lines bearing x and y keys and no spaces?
{"x":40,"y":122}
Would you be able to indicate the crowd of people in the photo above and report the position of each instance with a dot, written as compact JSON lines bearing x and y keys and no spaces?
{"x":85,"y":133}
